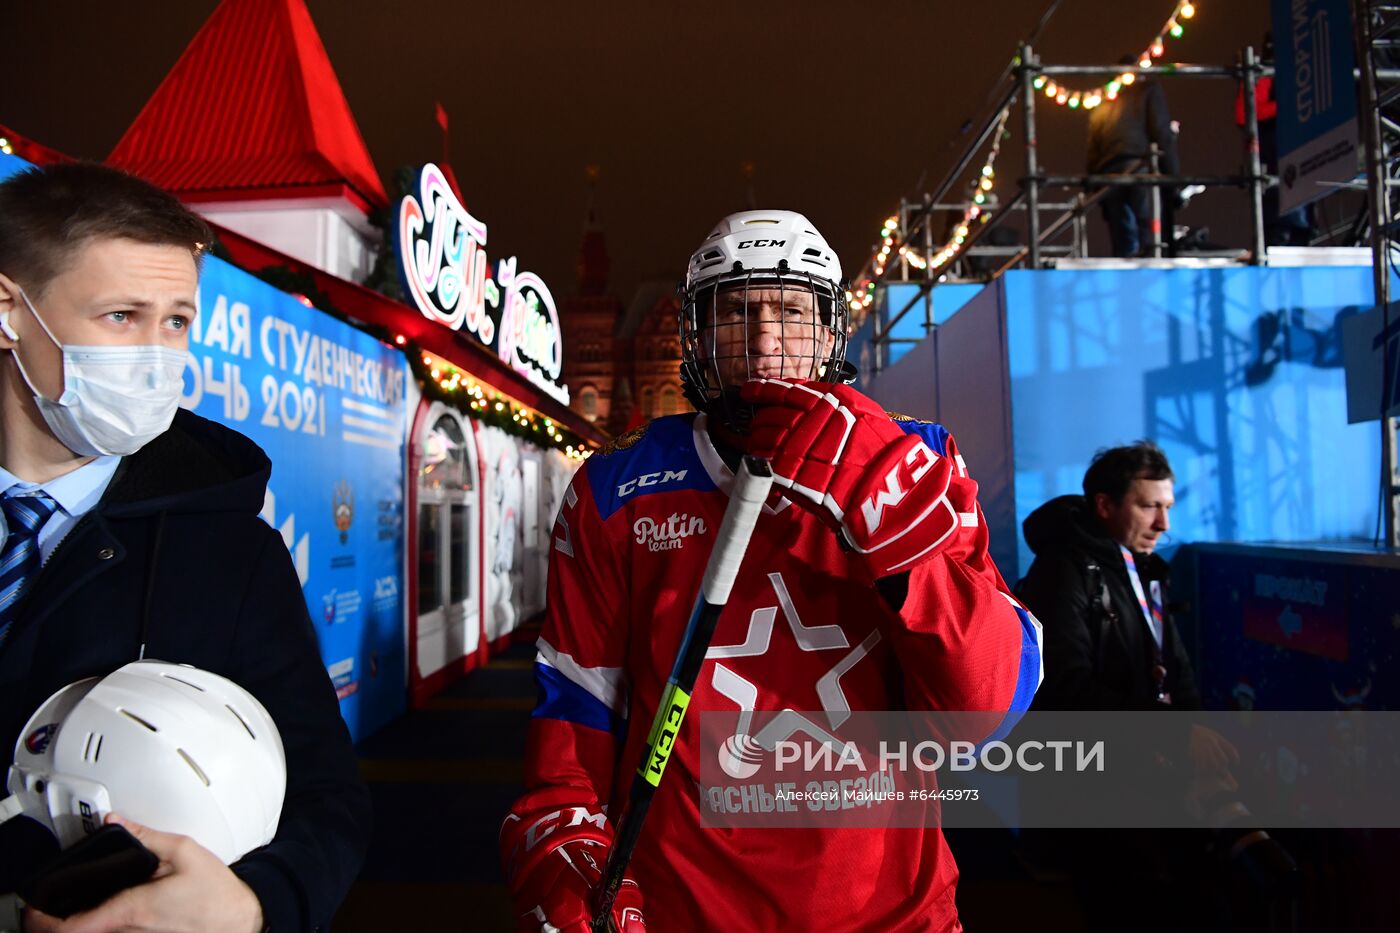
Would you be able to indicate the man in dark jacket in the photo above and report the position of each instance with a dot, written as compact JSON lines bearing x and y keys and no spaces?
{"x":1122,"y":131}
{"x":132,"y":531}
{"x":1101,"y":593}
{"x":1107,"y":649}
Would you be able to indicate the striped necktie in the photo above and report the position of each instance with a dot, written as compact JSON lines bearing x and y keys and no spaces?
{"x":19,"y":559}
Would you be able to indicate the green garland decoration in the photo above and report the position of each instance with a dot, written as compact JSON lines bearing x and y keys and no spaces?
{"x":498,"y":411}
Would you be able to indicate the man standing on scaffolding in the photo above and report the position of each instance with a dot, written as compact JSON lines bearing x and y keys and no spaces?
{"x":1122,"y":132}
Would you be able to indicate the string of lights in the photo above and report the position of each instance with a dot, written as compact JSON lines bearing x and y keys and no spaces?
{"x":1091,"y":98}
{"x":862,"y":293}
{"x":976,"y":211}
{"x":485,"y":404}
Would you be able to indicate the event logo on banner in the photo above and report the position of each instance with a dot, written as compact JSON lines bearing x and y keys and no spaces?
{"x":442,"y":262}
{"x":1316,"y":96}
{"x":326,"y":401}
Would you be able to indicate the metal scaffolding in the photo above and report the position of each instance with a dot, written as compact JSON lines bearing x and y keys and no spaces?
{"x":1044,"y":239}
{"x":1377,"y":50}
{"x":1377,"y":31}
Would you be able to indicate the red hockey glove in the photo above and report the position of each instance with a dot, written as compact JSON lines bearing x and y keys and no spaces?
{"x":838,"y":454}
{"x":554,"y":865}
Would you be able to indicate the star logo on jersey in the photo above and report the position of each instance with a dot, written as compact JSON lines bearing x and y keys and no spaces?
{"x":757,"y":640}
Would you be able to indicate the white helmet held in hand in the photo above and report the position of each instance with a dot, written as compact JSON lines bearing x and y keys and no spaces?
{"x":172,"y":747}
{"x":766,"y":252}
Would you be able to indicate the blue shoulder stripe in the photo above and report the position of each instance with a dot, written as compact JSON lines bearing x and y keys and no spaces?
{"x":934,"y":435}
{"x":1027,"y":678}
{"x":661,"y":459}
{"x":560,"y":698}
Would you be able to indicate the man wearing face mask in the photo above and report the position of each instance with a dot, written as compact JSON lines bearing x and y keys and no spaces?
{"x":131,"y":531}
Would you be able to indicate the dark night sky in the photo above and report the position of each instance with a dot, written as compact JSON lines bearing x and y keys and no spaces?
{"x":840,"y":106}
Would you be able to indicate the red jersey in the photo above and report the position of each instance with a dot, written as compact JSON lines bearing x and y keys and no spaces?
{"x":803,"y":630}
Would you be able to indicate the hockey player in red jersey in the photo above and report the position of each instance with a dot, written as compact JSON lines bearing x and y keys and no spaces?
{"x":867,"y":586}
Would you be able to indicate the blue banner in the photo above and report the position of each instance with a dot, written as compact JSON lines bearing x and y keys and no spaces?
{"x":326,"y":401}
{"x":1316,"y":97}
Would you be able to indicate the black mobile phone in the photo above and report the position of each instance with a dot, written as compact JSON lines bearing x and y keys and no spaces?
{"x":90,"y":871}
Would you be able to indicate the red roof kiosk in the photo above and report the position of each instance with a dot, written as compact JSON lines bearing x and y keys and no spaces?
{"x":277,"y":162}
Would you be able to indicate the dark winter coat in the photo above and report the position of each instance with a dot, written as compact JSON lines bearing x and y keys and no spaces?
{"x":1122,"y":131}
{"x":175,"y":556}
{"x":1067,"y":537}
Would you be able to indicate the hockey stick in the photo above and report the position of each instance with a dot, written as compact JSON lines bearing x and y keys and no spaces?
{"x":751,"y":487}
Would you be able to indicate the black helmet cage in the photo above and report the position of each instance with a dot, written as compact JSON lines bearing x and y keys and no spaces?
{"x":701,"y":379}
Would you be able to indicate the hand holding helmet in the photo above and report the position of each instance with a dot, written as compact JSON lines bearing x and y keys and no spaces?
{"x":192,"y":762}
{"x":172,"y":747}
{"x":190,"y":890}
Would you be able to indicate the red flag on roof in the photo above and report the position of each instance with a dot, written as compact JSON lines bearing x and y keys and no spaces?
{"x":441,"y":114}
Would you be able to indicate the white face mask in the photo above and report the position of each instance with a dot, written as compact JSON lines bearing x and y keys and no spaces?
{"x":115,"y":399}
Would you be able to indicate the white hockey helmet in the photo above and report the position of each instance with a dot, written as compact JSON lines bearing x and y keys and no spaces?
{"x":762,"y":249}
{"x":172,"y":747}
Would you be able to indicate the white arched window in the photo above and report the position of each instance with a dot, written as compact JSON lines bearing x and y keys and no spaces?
{"x":448,"y":541}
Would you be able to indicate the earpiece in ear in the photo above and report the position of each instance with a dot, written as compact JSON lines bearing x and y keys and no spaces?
{"x":5,"y":327}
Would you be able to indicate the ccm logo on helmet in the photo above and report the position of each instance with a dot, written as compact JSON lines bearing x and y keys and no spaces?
{"x":756,"y":244}
{"x":873,"y":509}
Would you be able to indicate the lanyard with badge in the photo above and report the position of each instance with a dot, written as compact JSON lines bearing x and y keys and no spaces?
{"x":1150,"y":602}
